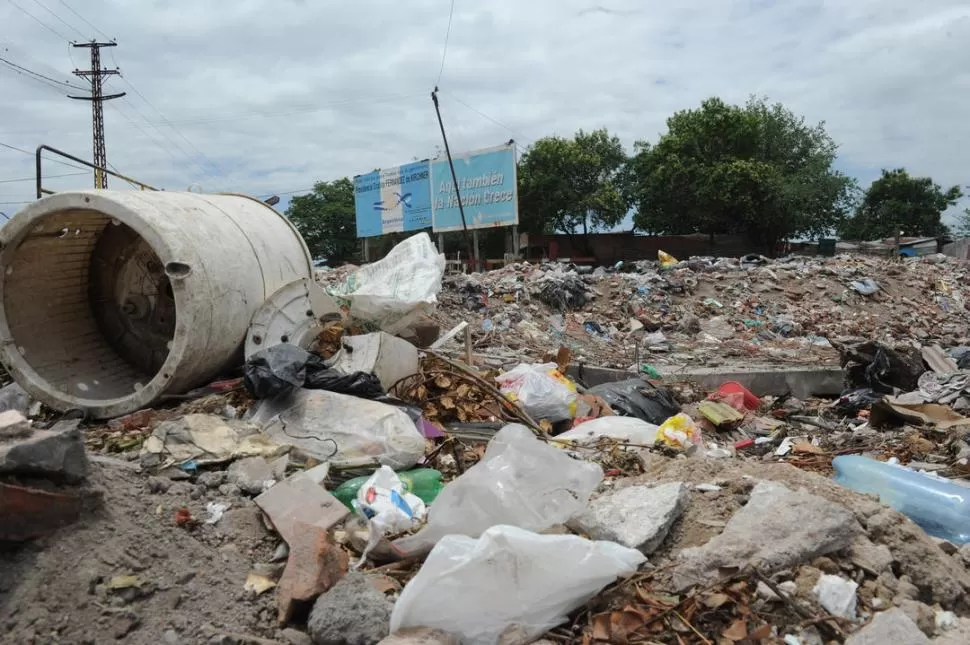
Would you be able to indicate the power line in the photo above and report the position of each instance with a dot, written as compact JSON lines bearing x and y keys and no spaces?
{"x":153,"y":139}
{"x":40,"y":22}
{"x":64,"y":22}
{"x":84,"y":20}
{"x":495,"y":121}
{"x":444,"y":51}
{"x":38,"y":74}
{"x":28,"y":152}
{"x":67,"y":174}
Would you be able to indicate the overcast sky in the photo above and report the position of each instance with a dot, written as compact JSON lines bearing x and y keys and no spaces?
{"x":268,"y":97}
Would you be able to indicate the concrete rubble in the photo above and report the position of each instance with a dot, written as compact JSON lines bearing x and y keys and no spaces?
{"x":706,"y":500}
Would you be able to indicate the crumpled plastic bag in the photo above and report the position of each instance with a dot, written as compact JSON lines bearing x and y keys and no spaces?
{"x":394,"y":293}
{"x":865,"y":286}
{"x":680,"y":431}
{"x":509,"y":586}
{"x":666,"y":260}
{"x":281,"y":368}
{"x":629,"y":429}
{"x":521,"y":481}
{"x":541,"y":389}
{"x":205,"y":439}
{"x":638,"y":398}
{"x":347,"y":431}
{"x":879,"y":367}
{"x":384,"y":502}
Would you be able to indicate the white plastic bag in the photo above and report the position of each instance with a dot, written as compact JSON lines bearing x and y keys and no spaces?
{"x":345,"y":430}
{"x":629,"y":429}
{"x":542,"y":390}
{"x":521,"y":481}
{"x":394,"y":292}
{"x":387,"y":507}
{"x":509,"y":586}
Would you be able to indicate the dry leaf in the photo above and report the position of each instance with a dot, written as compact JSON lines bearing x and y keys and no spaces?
{"x":448,"y":403}
{"x":806,"y":447}
{"x":258,"y":583}
{"x":123,"y":582}
{"x":715,"y":600}
{"x":761,"y":633}
{"x":738,"y":631}
{"x":623,"y":624}
{"x":443,"y":381}
{"x":601,"y":627}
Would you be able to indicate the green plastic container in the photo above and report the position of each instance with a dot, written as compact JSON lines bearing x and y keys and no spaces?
{"x":423,"y":482}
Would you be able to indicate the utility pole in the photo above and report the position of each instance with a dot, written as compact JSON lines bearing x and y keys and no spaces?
{"x":95,"y":76}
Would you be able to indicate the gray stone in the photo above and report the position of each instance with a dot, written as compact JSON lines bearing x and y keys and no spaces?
{"x":212,"y":479}
{"x":353,"y":612}
{"x":422,"y":636}
{"x":254,"y":475}
{"x":159,"y":484}
{"x":891,"y":627}
{"x":874,"y":558}
{"x":13,"y":397}
{"x":638,"y":517}
{"x":778,"y":528}
{"x":58,"y":453}
{"x":923,"y":615}
{"x":295,"y":637}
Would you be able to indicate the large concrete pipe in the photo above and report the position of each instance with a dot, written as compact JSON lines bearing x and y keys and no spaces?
{"x":111,"y":299}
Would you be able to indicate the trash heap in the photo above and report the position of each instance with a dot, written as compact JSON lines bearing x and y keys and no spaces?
{"x":356,"y":489}
{"x":703,"y":311}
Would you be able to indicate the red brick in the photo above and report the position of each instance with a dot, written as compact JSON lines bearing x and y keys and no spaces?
{"x":315,"y":565}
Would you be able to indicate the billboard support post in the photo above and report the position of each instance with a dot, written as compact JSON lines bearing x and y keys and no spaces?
{"x":454,"y":177}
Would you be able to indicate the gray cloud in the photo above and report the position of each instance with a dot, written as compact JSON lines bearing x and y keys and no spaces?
{"x":277,"y":95}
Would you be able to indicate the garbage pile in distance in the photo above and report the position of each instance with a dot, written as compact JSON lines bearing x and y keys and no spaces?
{"x":362,"y":490}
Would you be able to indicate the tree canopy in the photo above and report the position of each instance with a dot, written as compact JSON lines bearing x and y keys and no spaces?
{"x":756,"y":169}
{"x":898,"y":203}
{"x":572,"y":185}
{"x":325,"y":219}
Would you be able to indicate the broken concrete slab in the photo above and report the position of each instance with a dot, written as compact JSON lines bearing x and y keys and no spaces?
{"x":255,"y":475}
{"x":354,"y":612}
{"x":422,"y":636}
{"x":638,"y":517}
{"x":13,"y":425}
{"x":14,"y":397}
{"x":315,"y":564}
{"x":777,"y":528}
{"x":891,"y":627}
{"x":57,"y":453}
{"x":873,"y":558}
{"x":299,"y":500}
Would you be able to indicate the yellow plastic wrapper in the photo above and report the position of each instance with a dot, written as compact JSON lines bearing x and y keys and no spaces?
{"x":666,"y":260}
{"x":680,"y":431}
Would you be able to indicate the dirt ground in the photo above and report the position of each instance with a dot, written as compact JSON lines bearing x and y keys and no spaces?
{"x":189,"y":580}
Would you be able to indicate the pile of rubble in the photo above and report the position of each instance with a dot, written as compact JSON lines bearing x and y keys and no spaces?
{"x":359,"y":489}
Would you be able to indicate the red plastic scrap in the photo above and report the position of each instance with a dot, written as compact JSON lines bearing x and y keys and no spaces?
{"x":737,"y":396}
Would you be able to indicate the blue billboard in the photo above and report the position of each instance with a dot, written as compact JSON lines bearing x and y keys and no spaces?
{"x":487,"y":185}
{"x":393,"y":200}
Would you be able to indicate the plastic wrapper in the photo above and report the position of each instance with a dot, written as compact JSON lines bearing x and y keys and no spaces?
{"x":666,"y":260}
{"x":541,"y":389}
{"x":680,"y":431}
{"x":628,"y":429}
{"x":395,"y":292}
{"x":520,"y":481}
{"x":345,"y":430}
{"x":384,"y":502}
{"x":638,"y":398}
{"x":281,"y":368}
{"x":509,"y":586}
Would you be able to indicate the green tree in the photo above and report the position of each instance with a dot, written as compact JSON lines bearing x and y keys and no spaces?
{"x":898,"y":203}
{"x":573,"y":185}
{"x":756,"y":169}
{"x":962,"y":229}
{"x":325,"y":219}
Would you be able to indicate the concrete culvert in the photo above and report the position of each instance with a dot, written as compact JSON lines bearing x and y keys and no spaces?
{"x":111,"y":299}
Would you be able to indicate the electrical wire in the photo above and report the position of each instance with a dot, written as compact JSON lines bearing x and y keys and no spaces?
{"x":21,"y":68}
{"x":40,"y":22}
{"x":84,"y":20}
{"x":64,"y":22}
{"x":67,"y":174}
{"x":444,"y":51}
{"x":151,"y":138}
{"x":517,"y":135}
{"x":28,"y":152}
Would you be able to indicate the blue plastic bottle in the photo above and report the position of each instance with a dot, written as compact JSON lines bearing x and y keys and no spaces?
{"x":939,"y":507}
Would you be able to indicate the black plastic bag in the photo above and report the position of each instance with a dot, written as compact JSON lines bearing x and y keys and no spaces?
{"x":880,"y":368}
{"x":283,"y":367}
{"x":638,"y":398}
{"x":852,"y":401}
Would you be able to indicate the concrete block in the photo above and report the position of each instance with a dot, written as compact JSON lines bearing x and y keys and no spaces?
{"x":776,"y":529}
{"x":638,"y":517}
{"x":891,"y":627}
{"x":254,"y":475}
{"x":57,"y":453}
{"x":298,"y":501}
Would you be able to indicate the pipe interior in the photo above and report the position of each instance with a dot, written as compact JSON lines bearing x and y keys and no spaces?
{"x":89,"y":305}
